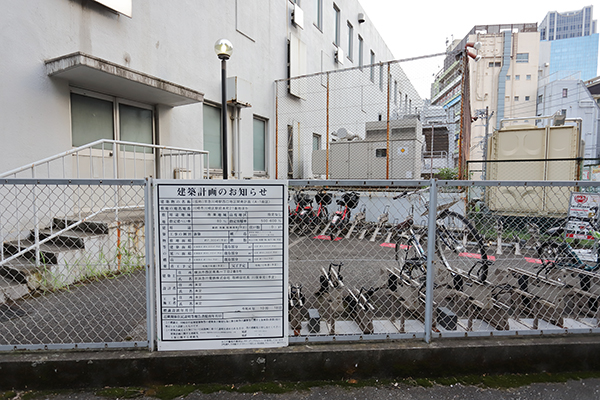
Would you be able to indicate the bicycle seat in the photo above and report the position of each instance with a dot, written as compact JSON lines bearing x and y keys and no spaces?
{"x":404,"y":225}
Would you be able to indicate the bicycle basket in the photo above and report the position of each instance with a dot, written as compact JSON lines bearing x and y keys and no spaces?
{"x":323,"y":197}
{"x":351,"y":199}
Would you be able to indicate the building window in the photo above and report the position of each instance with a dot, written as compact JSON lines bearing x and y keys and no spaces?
{"x":565,"y":93}
{"x":527,"y":98}
{"x":540,"y":98}
{"x":350,"y":40}
{"x":495,"y":64}
{"x":516,"y":98}
{"x":508,"y":77}
{"x":379,"y":153}
{"x":396,"y":92}
{"x":336,"y":37}
{"x":316,"y":142}
{"x":517,"y":77}
{"x":360,"y":52}
{"x":93,"y":118}
{"x":528,"y":77}
{"x":380,"y":76}
{"x":319,"y":15}
{"x":372,"y":66}
{"x":259,"y":145}
{"x":522,"y":57}
{"x":564,"y":112}
{"x":212,"y":134}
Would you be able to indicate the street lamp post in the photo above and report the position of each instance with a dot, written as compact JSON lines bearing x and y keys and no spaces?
{"x":224,"y":49}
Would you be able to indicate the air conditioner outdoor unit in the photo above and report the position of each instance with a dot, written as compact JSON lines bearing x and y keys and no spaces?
{"x":339,"y":55}
{"x":298,"y":17}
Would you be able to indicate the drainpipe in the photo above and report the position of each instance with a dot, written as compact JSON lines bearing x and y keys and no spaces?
{"x":502,"y":77}
{"x":236,"y":118}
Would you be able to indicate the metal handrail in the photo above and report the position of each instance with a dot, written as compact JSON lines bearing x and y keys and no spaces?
{"x":36,"y":246}
{"x":158,"y":151}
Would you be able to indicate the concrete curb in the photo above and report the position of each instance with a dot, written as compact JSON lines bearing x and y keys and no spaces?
{"x":307,"y":362}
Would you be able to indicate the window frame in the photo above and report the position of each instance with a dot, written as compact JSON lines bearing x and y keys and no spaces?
{"x":361,"y":46}
{"x":337,"y":25}
{"x":350,"y":40}
{"x":319,"y":17}
{"x":116,"y":102}
{"x":258,"y":172}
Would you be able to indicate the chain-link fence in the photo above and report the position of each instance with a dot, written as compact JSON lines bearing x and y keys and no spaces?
{"x":366,"y":122}
{"x":72,"y":264}
{"x":508,"y":258}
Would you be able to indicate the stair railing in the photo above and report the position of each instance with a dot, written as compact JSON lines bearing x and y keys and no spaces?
{"x":117,"y":159}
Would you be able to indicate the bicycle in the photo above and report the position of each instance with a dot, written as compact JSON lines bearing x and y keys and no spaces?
{"x":455,"y":238}
{"x":341,"y":218}
{"x":557,"y":254}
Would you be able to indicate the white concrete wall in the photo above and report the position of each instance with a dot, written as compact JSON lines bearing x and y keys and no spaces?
{"x":170,"y":40}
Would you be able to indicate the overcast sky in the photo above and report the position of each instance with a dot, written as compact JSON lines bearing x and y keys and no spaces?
{"x":416,"y":28}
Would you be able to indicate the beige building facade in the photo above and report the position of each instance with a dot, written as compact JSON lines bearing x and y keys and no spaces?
{"x":504,"y":80}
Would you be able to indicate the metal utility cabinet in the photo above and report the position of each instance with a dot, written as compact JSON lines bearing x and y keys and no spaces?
{"x":367,"y":158}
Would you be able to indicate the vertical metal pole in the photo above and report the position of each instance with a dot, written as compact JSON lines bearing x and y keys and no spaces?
{"x":150,"y":267}
{"x":461,"y":133}
{"x":224,"y":117}
{"x":485,"y":143}
{"x":431,"y":153}
{"x":431,"y":240}
{"x":276,"y":130}
{"x":387,"y":145}
{"x":327,"y":134}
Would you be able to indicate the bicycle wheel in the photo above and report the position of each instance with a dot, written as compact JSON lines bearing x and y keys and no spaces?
{"x":410,"y":262}
{"x":460,"y":246}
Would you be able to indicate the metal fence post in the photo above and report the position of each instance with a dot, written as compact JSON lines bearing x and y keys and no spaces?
{"x":431,"y":240}
{"x":149,"y":225}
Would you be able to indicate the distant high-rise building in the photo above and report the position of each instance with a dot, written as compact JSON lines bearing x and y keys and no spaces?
{"x":569,"y":44}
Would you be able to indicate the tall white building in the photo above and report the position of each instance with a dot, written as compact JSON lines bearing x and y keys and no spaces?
{"x":74,"y":71}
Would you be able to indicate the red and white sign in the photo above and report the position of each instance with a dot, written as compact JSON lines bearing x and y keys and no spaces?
{"x":583,"y":208}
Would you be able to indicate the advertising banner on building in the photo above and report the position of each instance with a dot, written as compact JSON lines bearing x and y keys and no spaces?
{"x":222,"y":267}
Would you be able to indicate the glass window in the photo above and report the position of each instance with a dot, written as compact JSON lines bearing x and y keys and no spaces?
{"x":372,"y":66}
{"x":527,"y":98}
{"x":565,"y":92}
{"x":316,"y":141}
{"x":350,"y":40}
{"x":517,"y":77}
{"x":212,"y":134}
{"x":522,"y":57}
{"x":336,"y":34}
{"x":396,"y":92}
{"x":380,"y":76}
{"x":319,"y":15}
{"x":259,"y":143}
{"x":135,"y":125}
{"x":360,"y":52}
{"x":528,"y":77}
{"x":516,"y":98}
{"x":508,"y":77}
{"x":91,"y":120}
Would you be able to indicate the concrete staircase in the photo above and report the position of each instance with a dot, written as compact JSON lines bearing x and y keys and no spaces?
{"x":106,"y":243}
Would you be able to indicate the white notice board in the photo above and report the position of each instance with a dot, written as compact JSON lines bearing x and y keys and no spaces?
{"x":583,"y":209}
{"x":222,"y":270}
